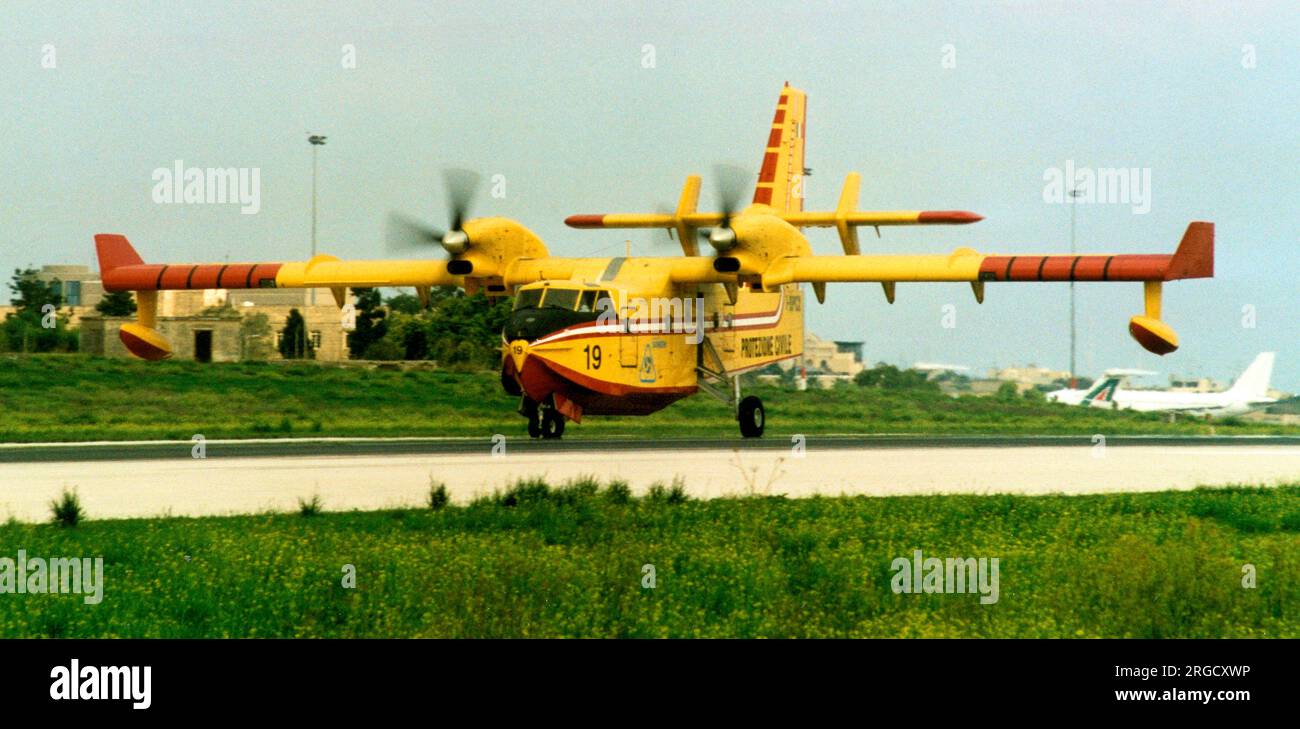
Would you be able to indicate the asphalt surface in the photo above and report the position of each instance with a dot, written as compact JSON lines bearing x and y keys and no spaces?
{"x":119,"y":480}
{"x":291,"y":447}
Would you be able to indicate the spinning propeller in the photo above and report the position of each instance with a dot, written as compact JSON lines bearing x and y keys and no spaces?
{"x":404,"y":233}
{"x":731,"y":184}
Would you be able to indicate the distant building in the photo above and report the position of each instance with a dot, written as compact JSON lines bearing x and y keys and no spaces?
{"x":1029,"y":375}
{"x":1025,"y":378}
{"x":826,"y":357}
{"x":200,"y":338}
{"x":932,"y":369}
{"x":1193,"y":384}
{"x":206,"y":325}
{"x":79,"y":286}
{"x":202,"y":325}
{"x":825,"y":361}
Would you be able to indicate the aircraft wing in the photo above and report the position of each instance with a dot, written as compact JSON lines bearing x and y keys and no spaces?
{"x":122,"y":269}
{"x":1193,"y":259}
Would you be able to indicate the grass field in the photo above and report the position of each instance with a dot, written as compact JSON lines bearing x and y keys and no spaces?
{"x":536,"y":561}
{"x":77,"y":398}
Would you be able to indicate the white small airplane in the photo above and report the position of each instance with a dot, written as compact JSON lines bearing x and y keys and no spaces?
{"x":1249,"y":392}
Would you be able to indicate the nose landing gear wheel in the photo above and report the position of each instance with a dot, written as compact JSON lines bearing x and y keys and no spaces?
{"x":552,"y":424}
{"x":528,"y":408}
{"x":751,"y":417}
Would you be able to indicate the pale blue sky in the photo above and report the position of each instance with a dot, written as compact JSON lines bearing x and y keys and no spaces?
{"x":554,"y":96}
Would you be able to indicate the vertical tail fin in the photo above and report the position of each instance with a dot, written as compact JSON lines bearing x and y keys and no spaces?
{"x":780,"y":179}
{"x":1103,"y":391}
{"x":1253,"y":383}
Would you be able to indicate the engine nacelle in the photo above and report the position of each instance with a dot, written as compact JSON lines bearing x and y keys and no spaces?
{"x":492,"y":244}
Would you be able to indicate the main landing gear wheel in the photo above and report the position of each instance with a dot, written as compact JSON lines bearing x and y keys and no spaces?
{"x":751,"y":417}
{"x":552,"y":424}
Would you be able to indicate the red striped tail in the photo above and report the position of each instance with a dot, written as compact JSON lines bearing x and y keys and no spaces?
{"x":781,"y":178}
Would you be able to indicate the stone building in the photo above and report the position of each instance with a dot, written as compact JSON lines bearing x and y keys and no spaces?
{"x":200,"y":338}
{"x":78,"y":285}
{"x":207,"y":325}
{"x":210,"y":325}
{"x":825,"y":361}
{"x":827,"y":357}
{"x":1024,"y":378}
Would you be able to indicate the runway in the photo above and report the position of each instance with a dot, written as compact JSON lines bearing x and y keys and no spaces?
{"x":119,"y":480}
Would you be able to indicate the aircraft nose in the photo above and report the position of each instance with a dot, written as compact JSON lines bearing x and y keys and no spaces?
{"x":519,"y":353}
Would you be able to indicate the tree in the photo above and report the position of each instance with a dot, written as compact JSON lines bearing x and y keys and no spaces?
{"x":29,"y":294}
{"x":955,"y":380}
{"x":416,"y":343}
{"x":384,"y":350}
{"x":456,"y":329}
{"x":221,"y":311}
{"x":294,"y":341}
{"x":36,"y":324}
{"x":371,"y":321}
{"x":1035,"y":395}
{"x":889,"y":377}
{"x":467,"y":329}
{"x":255,"y":337}
{"x":1007,"y":392}
{"x":406,"y":304}
{"x":116,"y":303}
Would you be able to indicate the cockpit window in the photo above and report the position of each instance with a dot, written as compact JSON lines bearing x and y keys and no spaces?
{"x":528,"y":299}
{"x":585,"y":301}
{"x":605,"y":301}
{"x":566,"y":299}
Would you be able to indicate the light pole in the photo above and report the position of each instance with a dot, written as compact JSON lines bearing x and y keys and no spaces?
{"x":315,"y":140}
{"x":1074,"y":194}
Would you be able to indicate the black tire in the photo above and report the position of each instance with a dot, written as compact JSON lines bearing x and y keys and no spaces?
{"x":529,"y":410}
{"x":552,"y":424}
{"x":752,"y":417}
{"x":510,"y":384}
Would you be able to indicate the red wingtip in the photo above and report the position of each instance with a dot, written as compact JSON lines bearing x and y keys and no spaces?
{"x":948,"y":217}
{"x":1195,"y":255}
{"x":585,"y":221}
{"x":114,"y":251}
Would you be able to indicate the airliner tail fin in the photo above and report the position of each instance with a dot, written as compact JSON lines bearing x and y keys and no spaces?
{"x":1253,"y":383}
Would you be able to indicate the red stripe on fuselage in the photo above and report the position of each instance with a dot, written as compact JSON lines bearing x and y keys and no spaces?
{"x":577,"y":329}
{"x":541,"y":379}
